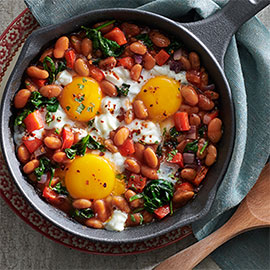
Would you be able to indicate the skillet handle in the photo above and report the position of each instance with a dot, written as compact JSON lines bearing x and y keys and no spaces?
{"x":217,"y":30}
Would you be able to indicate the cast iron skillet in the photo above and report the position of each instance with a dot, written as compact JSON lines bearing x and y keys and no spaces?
{"x":209,"y":38}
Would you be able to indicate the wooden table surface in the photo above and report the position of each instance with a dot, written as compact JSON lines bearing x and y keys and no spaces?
{"x":22,"y":248}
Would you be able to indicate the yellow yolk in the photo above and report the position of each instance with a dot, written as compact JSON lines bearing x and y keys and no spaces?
{"x":161,"y":96}
{"x":90,"y":177}
{"x":81,"y":99}
{"x":119,"y":187}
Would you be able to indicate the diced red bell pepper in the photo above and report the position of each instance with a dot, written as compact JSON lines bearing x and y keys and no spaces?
{"x":96,"y":73}
{"x":194,"y":77}
{"x":68,"y":138}
{"x":181,"y":121}
{"x":162,"y":57}
{"x":127,"y":62}
{"x":32,"y":144}
{"x":177,"y":159}
{"x":51,"y":196}
{"x":33,"y":121}
{"x":137,"y":182}
{"x":200,"y":176}
{"x":39,"y":82}
{"x":162,"y":211}
{"x":70,"y":57}
{"x":116,"y":35}
{"x":127,"y":148}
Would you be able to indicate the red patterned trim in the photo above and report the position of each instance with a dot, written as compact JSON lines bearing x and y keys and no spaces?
{"x":10,"y":42}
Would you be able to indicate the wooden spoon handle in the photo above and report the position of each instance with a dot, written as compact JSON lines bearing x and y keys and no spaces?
{"x":188,"y":258}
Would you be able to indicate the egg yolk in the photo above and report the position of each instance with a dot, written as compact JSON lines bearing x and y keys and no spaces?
{"x":81,"y":99}
{"x":90,"y":177}
{"x":161,"y":96}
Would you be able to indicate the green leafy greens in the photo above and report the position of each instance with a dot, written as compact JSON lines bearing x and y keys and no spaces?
{"x":174,"y":45}
{"x":83,"y":213}
{"x":45,"y":166}
{"x":50,"y":66}
{"x":60,"y":189}
{"x":192,"y":147}
{"x":123,"y":90}
{"x":145,"y":39}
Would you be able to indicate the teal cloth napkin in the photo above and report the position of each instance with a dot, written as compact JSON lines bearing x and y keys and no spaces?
{"x":248,"y":72}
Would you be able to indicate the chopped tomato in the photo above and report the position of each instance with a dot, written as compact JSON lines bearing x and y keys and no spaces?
{"x":162,"y":211}
{"x":181,"y":121}
{"x":127,"y":148}
{"x":96,"y":73}
{"x":38,"y":82}
{"x":33,"y":121}
{"x":116,"y":35}
{"x":68,"y":138}
{"x":200,"y":176}
{"x":194,"y":77}
{"x":70,"y":57}
{"x":186,"y":186}
{"x":51,"y":196}
{"x":137,"y":182}
{"x":178,"y":159}
{"x":162,"y":57}
{"x":127,"y":62}
{"x":32,"y":144}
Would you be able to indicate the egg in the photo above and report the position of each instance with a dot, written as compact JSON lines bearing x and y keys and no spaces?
{"x":90,"y":177}
{"x":81,"y":99}
{"x":161,"y":96}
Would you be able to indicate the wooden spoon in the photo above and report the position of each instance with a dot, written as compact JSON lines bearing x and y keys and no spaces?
{"x":253,"y":212}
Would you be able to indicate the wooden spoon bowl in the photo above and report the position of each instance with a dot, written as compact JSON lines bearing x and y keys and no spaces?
{"x":253,"y":212}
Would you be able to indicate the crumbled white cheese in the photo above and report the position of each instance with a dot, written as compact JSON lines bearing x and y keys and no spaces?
{"x":63,"y":78}
{"x":117,"y":222}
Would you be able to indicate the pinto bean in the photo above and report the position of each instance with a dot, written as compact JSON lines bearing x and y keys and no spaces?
{"x":205,"y":103}
{"x":149,"y":172}
{"x":52,"y":142}
{"x":50,"y":90}
{"x":107,"y":63}
{"x":147,"y":217}
{"x":159,"y":39}
{"x":110,"y":146}
{"x":81,"y":204}
{"x":211,"y":155}
{"x":188,"y":109}
{"x":105,"y":29}
{"x":130,"y":29}
{"x":140,"y":109}
{"x":76,"y":43}
{"x":120,"y":203}
{"x":30,"y":166}
{"x":148,"y":61}
{"x":47,"y":52}
{"x":190,"y":95}
{"x":129,"y":116}
{"x":37,"y":73}
{"x":86,"y":47}
{"x":94,"y":223}
{"x":132,"y":165}
{"x":139,"y":149}
{"x":135,"y":203}
{"x":204,"y":79}
{"x":188,"y":174}
{"x":194,"y":119}
{"x":23,"y":154}
{"x":120,"y":136}
{"x":59,"y":157}
{"x":185,"y":63}
{"x":60,"y":47}
{"x":100,"y":210}
{"x":30,"y":85}
{"x":201,"y":144}
{"x":211,"y":94}
{"x":194,"y":60}
{"x":81,"y":67}
{"x":21,"y":98}
{"x":181,"y":197}
{"x":134,"y":220}
{"x":138,"y":48}
{"x":135,"y":72}
{"x":108,"y":88}
{"x":214,"y":130}
{"x":150,"y":157}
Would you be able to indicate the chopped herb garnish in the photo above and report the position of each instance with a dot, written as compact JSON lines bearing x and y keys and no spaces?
{"x":84,"y":80}
{"x":138,"y":210}
{"x":80,"y":98}
{"x":174,"y":133}
{"x":83,"y":213}
{"x":141,"y":219}
{"x":204,"y":147}
{"x":145,"y":39}
{"x":68,"y":108}
{"x":80,"y":108}
{"x":123,"y":89}
{"x":135,"y":197}
{"x":120,"y":176}
{"x":48,"y":118}
{"x":171,"y":208}
{"x":132,"y":218}
{"x":81,"y":86}
{"x":57,"y":131}
{"x":60,"y":189}
{"x":164,"y":132}
{"x":192,"y":147}
{"x":159,"y":150}
{"x":91,"y":107}
{"x":175,"y":45}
